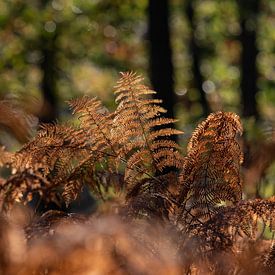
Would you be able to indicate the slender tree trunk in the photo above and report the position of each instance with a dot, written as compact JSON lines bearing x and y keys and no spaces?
{"x":249,"y":10}
{"x":195,"y":52}
{"x":161,"y":65}
{"x":48,"y":49}
{"x":48,"y":84}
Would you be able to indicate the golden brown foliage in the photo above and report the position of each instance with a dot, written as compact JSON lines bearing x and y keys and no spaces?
{"x":211,"y":172}
{"x":135,"y":123}
{"x":142,"y":136}
{"x":104,"y":144}
{"x":5,"y":157}
{"x":159,"y":212}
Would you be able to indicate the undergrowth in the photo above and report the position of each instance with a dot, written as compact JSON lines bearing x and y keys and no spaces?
{"x":159,"y":213}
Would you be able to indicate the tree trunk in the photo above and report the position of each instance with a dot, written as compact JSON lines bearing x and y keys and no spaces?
{"x":48,"y":112}
{"x":161,"y":65}
{"x":249,"y":10}
{"x":48,"y":66}
{"x":195,"y":52}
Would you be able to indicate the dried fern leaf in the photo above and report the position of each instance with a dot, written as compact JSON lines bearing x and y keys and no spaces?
{"x":143,"y":137}
{"x":211,"y":171}
{"x":79,"y":175}
{"x":71,"y":191}
{"x":6,"y":157}
{"x":48,"y":146}
{"x":269,"y":261}
{"x":96,"y":121}
{"x":67,"y":157}
{"x":135,"y":120}
{"x":16,"y":120}
{"x":246,"y":219}
{"x":21,"y":187}
{"x":44,"y":163}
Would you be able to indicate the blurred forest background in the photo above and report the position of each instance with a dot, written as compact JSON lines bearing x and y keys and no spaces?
{"x":200,"y":56}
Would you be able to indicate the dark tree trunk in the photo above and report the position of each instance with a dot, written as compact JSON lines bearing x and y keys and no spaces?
{"x":48,"y":66}
{"x":161,"y":65}
{"x":195,"y":52}
{"x":48,"y":85}
{"x":248,"y":18}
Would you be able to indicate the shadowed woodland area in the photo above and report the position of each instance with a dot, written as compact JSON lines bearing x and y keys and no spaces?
{"x":137,"y":137}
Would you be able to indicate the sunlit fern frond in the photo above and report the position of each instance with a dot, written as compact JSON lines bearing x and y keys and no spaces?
{"x":43,"y":163}
{"x":269,"y":260}
{"x":96,"y":122}
{"x":82,"y":173}
{"x":148,"y":150}
{"x":145,"y":144}
{"x":249,"y":219}
{"x":217,"y":125}
{"x":21,"y":187}
{"x":71,"y":191}
{"x":50,"y":144}
{"x":211,"y":172}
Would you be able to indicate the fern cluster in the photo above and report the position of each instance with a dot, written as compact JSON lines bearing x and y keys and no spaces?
{"x":129,"y":152}
{"x":210,"y":175}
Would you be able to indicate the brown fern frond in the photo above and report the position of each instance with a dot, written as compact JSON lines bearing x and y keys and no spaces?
{"x":219,"y":124}
{"x":42,"y":164}
{"x":59,"y":153}
{"x":247,"y":219}
{"x":269,"y":260}
{"x":22,"y":186}
{"x":232,"y":241}
{"x":100,"y":181}
{"x":96,"y":121}
{"x":71,"y":191}
{"x":211,"y":171}
{"x":16,"y":120}
{"x":136,"y":119}
{"x":143,"y":141}
{"x":6,"y":157}
{"x":48,"y":146}
{"x":81,"y":174}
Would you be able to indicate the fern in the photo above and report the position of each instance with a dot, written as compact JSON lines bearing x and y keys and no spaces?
{"x":210,"y":212}
{"x":127,"y":139}
{"x":246,"y":220}
{"x":135,"y":120}
{"x":43,"y":163}
{"x":5,"y":157}
{"x":96,"y":121}
{"x":129,"y":154}
{"x":269,"y":260}
{"x":22,"y":186}
{"x":211,"y":171}
{"x":16,"y":120}
{"x":145,"y":148}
